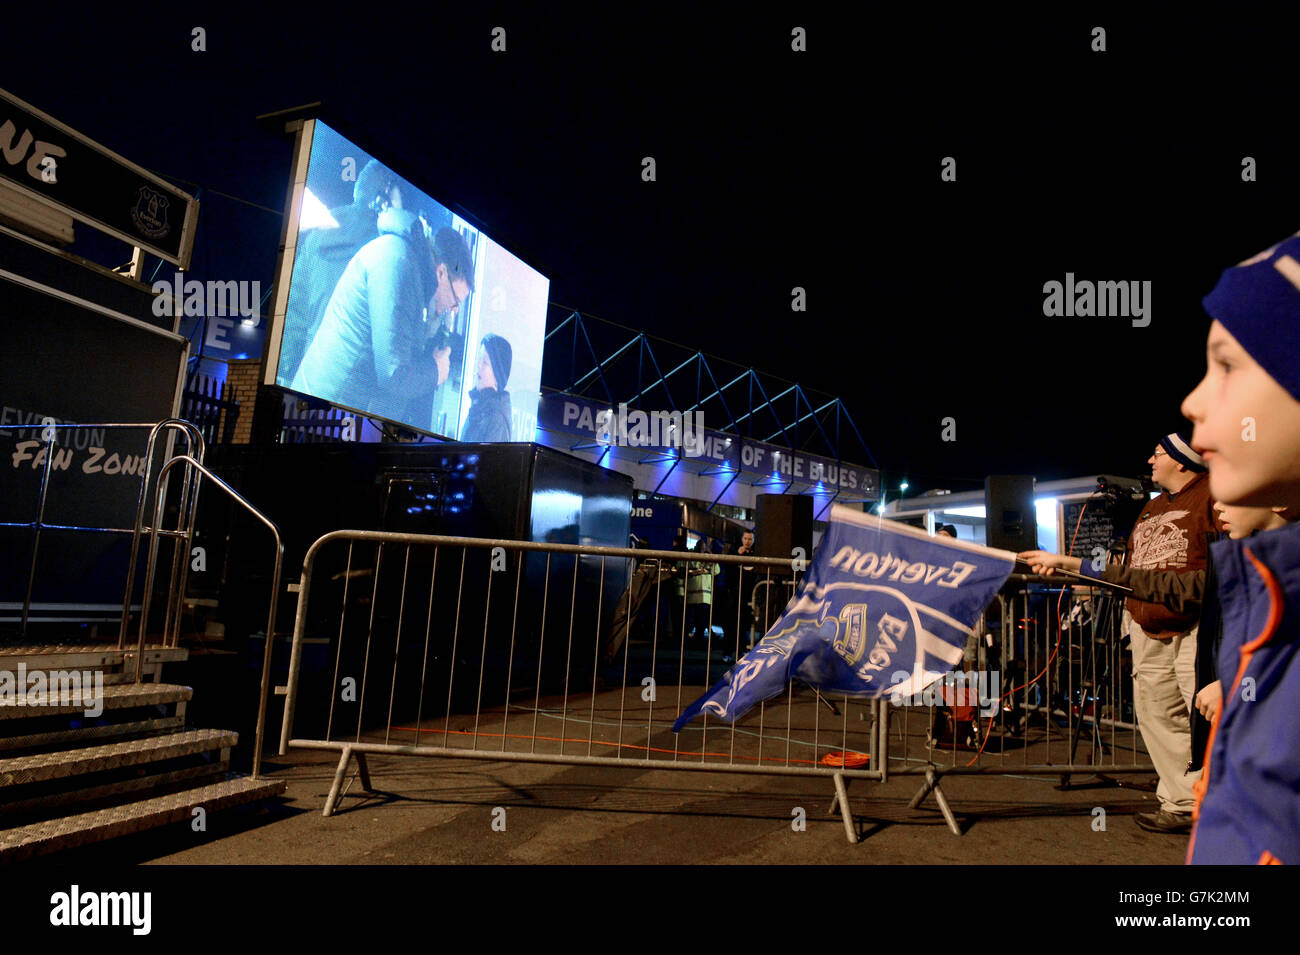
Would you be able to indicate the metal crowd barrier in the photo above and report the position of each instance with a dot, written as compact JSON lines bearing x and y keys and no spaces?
{"x":498,"y":649}
{"x":1050,"y":677}
{"x":438,"y":646}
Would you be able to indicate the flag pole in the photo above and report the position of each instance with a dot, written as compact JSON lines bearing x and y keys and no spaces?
{"x":1091,"y":581}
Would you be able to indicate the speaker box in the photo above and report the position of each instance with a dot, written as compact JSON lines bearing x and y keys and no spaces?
{"x":784,"y":522}
{"x":1009,"y":504}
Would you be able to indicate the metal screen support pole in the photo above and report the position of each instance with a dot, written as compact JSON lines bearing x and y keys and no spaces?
{"x":842,"y":801}
{"x":932,"y":786}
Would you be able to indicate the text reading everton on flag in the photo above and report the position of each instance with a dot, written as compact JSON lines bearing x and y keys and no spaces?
{"x":885,"y":609}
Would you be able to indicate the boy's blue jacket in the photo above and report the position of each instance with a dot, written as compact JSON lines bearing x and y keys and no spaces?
{"x":1248,"y":798}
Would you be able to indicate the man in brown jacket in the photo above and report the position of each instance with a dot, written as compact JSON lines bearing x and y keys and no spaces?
{"x":1172,"y":533}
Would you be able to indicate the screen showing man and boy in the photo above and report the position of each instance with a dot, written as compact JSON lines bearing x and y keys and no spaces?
{"x":401,"y":310}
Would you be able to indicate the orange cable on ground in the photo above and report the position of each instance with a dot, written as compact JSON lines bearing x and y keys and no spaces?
{"x":847,"y":760}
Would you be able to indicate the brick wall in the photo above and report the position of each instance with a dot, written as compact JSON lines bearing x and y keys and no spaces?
{"x":244,"y":375}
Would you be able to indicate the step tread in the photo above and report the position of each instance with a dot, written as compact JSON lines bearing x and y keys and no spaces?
{"x":17,"y":770}
{"x":22,"y":649}
{"x":46,"y":803}
{"x":67,"y":737}
{"x":83,"y":828}
{"x":114,"y":697}
{"x":77,"y":655}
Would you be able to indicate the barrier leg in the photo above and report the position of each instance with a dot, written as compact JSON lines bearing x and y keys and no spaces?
{"x":931,"y":785}
{"x":365,"y":772}
{"x":842,"y":801}
{"x":344,"y":758}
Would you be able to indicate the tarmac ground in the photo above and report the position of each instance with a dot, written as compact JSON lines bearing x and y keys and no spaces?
{"x":453,"y":810}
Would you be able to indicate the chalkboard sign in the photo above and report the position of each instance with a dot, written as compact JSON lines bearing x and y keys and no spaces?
{"x":1095,"y":531}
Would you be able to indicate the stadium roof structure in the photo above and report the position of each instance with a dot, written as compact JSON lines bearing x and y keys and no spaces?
{"x":615,"y":364}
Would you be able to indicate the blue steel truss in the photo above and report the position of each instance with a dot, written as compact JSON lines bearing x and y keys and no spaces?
{"x":613,"y":363}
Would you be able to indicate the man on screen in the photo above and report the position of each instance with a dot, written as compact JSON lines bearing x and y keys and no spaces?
{"x":325,"y":254}
{"x":376,"y":350}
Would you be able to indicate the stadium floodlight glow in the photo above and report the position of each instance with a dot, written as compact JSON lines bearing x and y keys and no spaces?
{"x":904,"y":486}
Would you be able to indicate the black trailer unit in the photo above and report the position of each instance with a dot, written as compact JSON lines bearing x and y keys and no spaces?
{"x":520,"y":492}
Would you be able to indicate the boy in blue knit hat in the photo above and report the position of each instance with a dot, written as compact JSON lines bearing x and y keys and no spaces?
{"x":1247,"y":416}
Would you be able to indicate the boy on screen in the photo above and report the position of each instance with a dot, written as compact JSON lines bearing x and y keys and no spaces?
{"x":489,"y":410}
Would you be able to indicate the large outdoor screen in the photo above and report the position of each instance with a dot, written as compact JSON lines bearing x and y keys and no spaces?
{"x":401,"y":310}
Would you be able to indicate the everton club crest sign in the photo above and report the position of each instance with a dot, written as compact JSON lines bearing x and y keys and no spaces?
{"x":57,"y":166}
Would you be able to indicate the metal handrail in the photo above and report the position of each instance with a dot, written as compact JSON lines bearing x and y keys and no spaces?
{"x":194,"y":438}
{"x":275,"y":589}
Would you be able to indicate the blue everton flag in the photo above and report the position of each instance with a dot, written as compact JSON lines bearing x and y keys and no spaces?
{"x":884,"y":610}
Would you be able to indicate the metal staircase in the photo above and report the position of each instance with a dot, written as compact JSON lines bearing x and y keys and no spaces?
{"x":92,"y":744}
{"x":67,"y":779}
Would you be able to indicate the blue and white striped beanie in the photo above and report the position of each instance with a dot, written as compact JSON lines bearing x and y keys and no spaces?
{"x":1176,"y":447}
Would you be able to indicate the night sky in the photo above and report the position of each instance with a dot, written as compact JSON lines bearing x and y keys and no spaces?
{"x":775,"y":169}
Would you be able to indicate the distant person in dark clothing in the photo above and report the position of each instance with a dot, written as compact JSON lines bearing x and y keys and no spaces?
{"x":324,"y":255}
{"x":746,"y":578}
{"x":489,"y":410}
